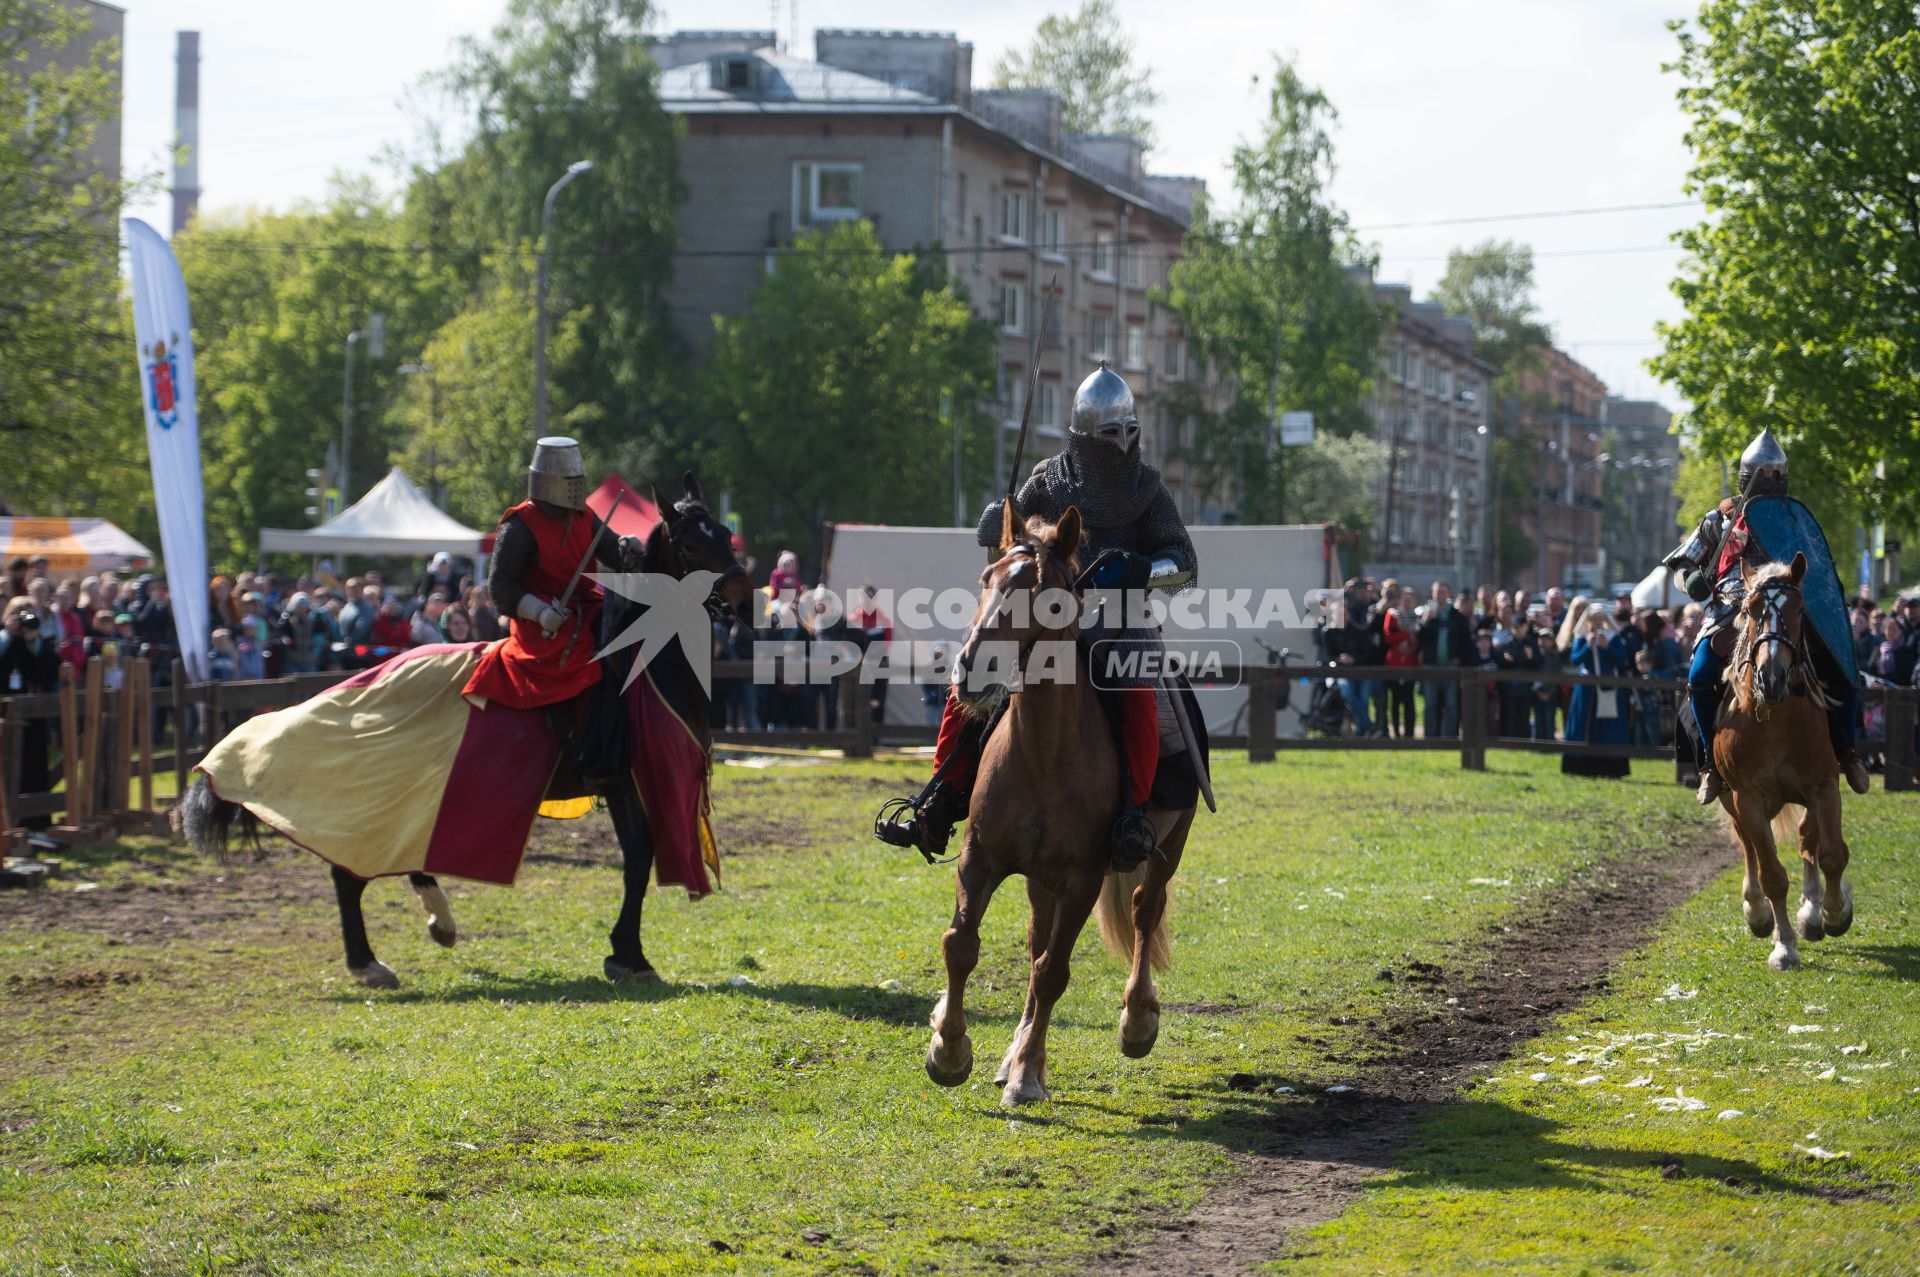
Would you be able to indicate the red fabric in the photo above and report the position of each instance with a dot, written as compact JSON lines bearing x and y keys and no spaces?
{"x":499,"y":776}
{"x":73,"y":637}
{"x":636,"y":515}
{"x":390,"y":631}
{"x":1403,"y":645}
{"x":952,"y":720}
{"x":525,"y":670}
{"x":670,"y":766}
{"x":1140,"y":736}
{"x":1732,"y":548}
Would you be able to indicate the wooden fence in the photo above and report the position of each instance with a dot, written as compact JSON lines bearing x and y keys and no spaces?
{"x":109,"y":754}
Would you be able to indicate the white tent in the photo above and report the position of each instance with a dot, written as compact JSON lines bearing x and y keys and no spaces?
{"x":393,"y":518}
{"x":1659,"y":589}
{"x":72,"y":545}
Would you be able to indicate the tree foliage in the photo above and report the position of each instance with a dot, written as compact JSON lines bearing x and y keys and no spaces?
{"x":1276,"y":297}
{"x":1088,"y":59}
{"x":1333,"y":480}
{"x":825,"y":392}
{"x":1802,"y":311}
{"x":69,"y":398}
{"x":1491,"y":284}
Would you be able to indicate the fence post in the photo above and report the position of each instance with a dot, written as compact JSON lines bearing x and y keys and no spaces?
{"x":70,"y":738}
{"x":127,"y":702}
{"x":1262,"y":704}
{"x":6,"y":783}
{"x":856,"y":712}
{"x":183,"y":729}
{"x":1901,"y":704}
{"x":86,"y":787}
{"x":1473,"y":721}
{"x":143,"y":704}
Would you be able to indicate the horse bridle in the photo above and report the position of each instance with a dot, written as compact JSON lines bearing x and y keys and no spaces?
{"x":1796,"y":648}
{"x":1027,"y":549}
{"x":715,"y":605}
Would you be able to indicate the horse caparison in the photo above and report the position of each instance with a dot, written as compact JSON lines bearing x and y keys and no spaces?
{"x":1782,"y":779}
{"x":687,"y":538}
{"x":1045,"y":797}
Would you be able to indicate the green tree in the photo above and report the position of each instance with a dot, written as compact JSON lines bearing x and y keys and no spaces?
{"x":825,"y":392}
{"x":1275,"y":296}
{"x":1334,"y":478}
{"x":69,"y":396}
{"x":555,"y":82}
{"x":1491,"y":284}
{"x":1801,"y":307}
{"x":1088,"y":59}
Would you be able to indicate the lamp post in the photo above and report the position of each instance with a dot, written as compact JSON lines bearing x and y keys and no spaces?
{"x":433,"y":421}
{"x":375,"y":336}
{"x":540,"y":299}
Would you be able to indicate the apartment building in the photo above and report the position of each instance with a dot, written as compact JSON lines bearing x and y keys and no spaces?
{"x":1429,"y":409}
{"x":1642,"y":515}
{"x":1562,"y":419}
{"x":108,"y":23}
{"x":887,"y":126}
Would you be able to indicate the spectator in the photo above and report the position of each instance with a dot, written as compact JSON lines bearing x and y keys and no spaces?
{"x":223,"y":660}
{"x":456,"y":626}
{"x":1446,"y":641}
{"x":223,"y":607}
{"x":425,"y":628}
{"x":30,"y":662}
{"x":391,"y":629}
{"x":1895,"y":660}
{"x":1527,"y":708}
{"x":785,"y":584}
{"x":1484,"y":658}
{"x":486,"y":618}
{"x":153,"y":623}
{"x":69,"y":626}
{"x":101,"y":631}
{"x":17,"y":577}
{"x":1353,"y":644}
{"x":358,"y":616}
{"x":1556,"y":615}
{"x":441,"y":576}
{"x":1646,"y":702}
{"x":1400,"y":637}
{"x":254,"y":637}
{"x":1866,"y":639}
{"x":305,"y":640}
{"x":1595,"y":716}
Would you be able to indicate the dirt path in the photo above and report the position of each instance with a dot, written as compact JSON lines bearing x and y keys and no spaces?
{"x":1325,"y":1146}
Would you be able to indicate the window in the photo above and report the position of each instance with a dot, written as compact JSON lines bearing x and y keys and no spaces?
{"x":1013,"y":306}
{"x":1053,"y":229}
{"x":1046,"y":408}
{"x":1136,"y":345}
{"x":960,"y":202}
{"x":1101,"y":341}
{"x":978,"y":257}
{"x":825,"y":193}
{"x":1102,"y":252}
{"x":1413,"y":369}
{"x":1013,"y":215}
{"x":1131,"y":271}
{"x":1176,"y":358}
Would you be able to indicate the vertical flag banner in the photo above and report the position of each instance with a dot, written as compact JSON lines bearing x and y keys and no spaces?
{"x":163,"y":336}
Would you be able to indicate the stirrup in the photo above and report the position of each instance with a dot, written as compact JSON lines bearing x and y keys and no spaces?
{"x":921,"y":822}
{"x":1132,"y":840}
{"x":1854,"y":768}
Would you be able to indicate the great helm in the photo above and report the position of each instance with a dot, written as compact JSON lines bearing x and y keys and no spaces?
{"x":557,"y":475}
{"x":1103,"y":409}
{"x":1763,"y":467}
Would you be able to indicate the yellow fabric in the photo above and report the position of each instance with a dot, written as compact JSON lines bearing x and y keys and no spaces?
{"x":357,"y":773}
{"x":566,"y":808}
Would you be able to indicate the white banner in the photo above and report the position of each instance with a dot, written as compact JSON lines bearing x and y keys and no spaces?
{"x":163,"y":337}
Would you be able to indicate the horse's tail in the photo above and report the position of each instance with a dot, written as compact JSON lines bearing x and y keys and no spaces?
{"x":1115,"y":912}
{"x":211,"y":823}
{"x":1786,"y":827}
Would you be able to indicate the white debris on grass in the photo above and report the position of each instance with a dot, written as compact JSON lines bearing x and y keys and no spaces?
{"x":1825,"y":1075}
{"x":1674,"y":993}
{"x":1489,"y":882}
{"x":1538,"y":1077}
{"x":1639,"y":1081}
{"x":1861,"y":1049}
{"x":742,"y":982}
{"x":1819,"y":1154}
{"x":1678,"y":1102}
{"x":1727,"y":1115}
{"x":890,"y":985}
{"x":1590,"y":1079}
{"x":1806,"y":1028}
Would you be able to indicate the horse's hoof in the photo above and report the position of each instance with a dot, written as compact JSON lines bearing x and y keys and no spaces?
{"x":375,"y":975}
{"x":442,"y":936}
{"x":1808,"y":920}
{"x":1759,"y":917}
{"x":1783,"y":958}
{"x":944,"y":1075}
{"x":1838,"y":926}
{"x":620,"y":973}
{"x":1145,"y":1031}
{"x":1032,"y":1092}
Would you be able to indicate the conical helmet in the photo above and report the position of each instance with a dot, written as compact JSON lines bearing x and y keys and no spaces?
{"x":557,"y":475}
{"x":1763,"y":466}
{"x":1103,"y":409}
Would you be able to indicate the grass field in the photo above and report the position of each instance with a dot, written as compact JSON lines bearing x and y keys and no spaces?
{"x":204,"y":1090}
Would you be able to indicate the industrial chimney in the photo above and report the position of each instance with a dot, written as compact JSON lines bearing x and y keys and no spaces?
{"x":186,"y":127}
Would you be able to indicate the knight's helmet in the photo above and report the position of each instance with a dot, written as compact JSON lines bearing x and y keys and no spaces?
{"x":1103,"y":410}
{"x":1763,"y":467}
{"x":557,"y":475}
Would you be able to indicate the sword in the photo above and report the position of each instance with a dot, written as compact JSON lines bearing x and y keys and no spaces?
{"x":581,"y":571}
{"x":1033,"y":384}
{"x":1193,"y":745}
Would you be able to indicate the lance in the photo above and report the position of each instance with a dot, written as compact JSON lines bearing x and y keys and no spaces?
{"x":593,"y":541}
{"x":1033,"y":384}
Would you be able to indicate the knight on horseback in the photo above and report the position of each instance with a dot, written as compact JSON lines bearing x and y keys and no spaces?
{"x":1758,"y":526}
{"x":1134,"y":533}
{"x":548,"y":655}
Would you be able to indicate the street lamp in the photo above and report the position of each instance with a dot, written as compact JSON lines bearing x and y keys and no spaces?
{"x":375,"y":336}
{"x":433,"y":421}
{"x":540,"y":300}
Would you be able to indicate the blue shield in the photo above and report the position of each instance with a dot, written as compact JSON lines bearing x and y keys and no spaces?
{"x":1783,"y":528}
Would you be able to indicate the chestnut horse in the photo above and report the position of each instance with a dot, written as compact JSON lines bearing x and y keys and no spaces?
{"x":1783,"y":780}
{"x":1044,"y":801}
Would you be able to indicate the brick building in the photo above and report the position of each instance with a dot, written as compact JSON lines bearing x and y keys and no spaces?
{"x":1562,"y":418}
{"x":1429,"y":409}
{"x":109,"y":23}
{"x":886,"y":126}
{"x":1642,"y":513}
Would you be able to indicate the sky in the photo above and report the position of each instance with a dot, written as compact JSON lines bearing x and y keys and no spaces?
{"x":1449,"y":110}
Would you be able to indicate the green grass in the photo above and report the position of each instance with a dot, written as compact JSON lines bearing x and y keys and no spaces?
{"x":230,"y":1102}
{"x":1542,"y":1168}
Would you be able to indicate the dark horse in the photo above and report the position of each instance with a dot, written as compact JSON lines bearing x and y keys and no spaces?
{"x":688,"y":538}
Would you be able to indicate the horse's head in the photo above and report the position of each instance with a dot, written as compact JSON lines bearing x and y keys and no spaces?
{"x":1770,"y":645}
{"x":689,"y":538}
{"x":1026,"y":594}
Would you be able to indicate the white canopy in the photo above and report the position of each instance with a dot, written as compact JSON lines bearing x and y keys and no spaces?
{"x":394,"y":518}
{"x":72,"y":545}
{"x":1659,"y":589}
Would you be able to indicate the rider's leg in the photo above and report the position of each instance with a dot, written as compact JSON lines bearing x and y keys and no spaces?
{"x":1139,"y":740}
{"x":1704,"y":688}
{"x":956,"y":756}
{"x":1843,"y":719}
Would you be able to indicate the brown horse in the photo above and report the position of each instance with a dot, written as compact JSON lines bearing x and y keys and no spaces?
{"x":1044,"y":802}
{"x":1783,"y":780}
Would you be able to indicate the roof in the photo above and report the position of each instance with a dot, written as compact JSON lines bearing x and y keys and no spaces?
{"x":393,"y":518}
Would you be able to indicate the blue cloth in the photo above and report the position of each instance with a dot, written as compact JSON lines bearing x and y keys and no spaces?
{"x":1704,"y":688}
{"x":1358,"y":693}
{"x":1583,"y":722}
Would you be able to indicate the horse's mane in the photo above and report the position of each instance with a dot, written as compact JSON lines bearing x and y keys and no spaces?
{"x":1744,"y":635}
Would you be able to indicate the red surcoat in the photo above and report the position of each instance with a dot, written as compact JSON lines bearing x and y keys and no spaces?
{"x":525,"y":669}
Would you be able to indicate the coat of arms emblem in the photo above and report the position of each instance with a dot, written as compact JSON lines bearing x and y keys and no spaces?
{"x":162,"y":367}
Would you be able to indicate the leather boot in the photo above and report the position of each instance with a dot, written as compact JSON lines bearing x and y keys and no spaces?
{"x":1132,"y":839}
{"x":1855,"y":771}
{"x":930,"y":828}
